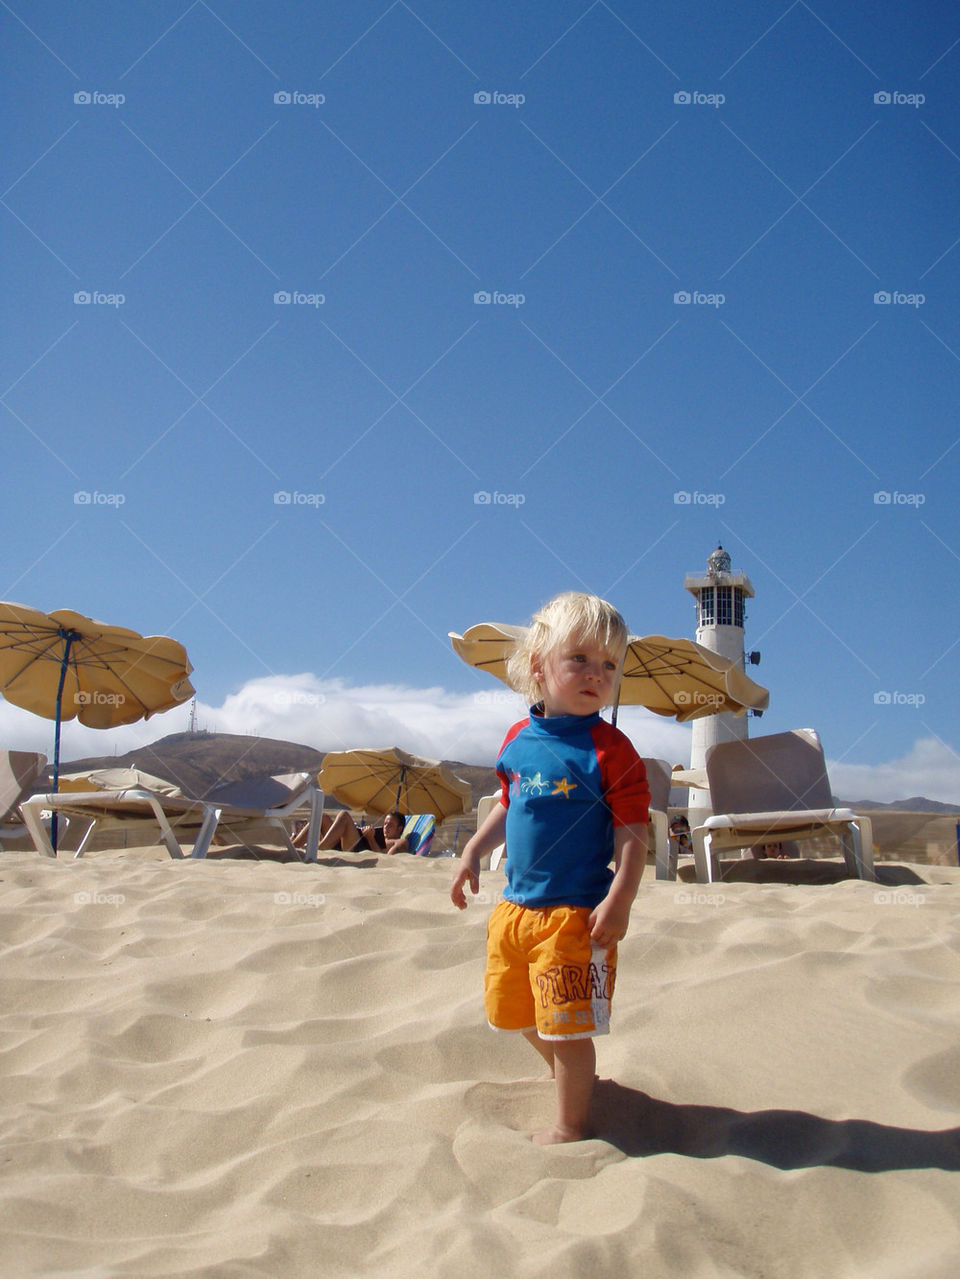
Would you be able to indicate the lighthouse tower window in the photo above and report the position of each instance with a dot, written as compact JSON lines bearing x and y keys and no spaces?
{"x":707,"y":606}
{"x":721,"y":606}
{"x":724,"y":605}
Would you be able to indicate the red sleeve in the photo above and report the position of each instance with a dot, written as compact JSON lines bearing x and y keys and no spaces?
{"x":504,"y":779}
{"x":624,"y":776}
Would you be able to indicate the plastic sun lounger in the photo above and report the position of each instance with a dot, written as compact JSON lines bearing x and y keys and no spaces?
{"x":176,"y":817}
{"x":484,"y":805}
{"x":771,"y":789}
{"x":658,"y":779}
{"x":19,"y":772}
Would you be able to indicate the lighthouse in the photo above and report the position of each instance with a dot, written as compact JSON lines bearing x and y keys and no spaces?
{"x":720,"y":595}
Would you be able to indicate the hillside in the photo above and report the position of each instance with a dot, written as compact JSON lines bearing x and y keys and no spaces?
{"x":916,"y":829}
{"x":197,"y":762}
{"x":917,"y":804}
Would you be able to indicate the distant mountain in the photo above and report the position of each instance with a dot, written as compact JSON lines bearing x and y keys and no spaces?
{"x":197,"y":762}
{"x":918,"y":804}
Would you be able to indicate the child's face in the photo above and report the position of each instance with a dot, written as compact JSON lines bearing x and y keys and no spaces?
{"x":578,"y":677}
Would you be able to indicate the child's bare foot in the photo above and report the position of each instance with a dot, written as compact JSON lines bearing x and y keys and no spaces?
{"x":556,"y":1136}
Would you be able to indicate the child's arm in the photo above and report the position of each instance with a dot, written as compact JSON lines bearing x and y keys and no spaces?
{"x":489,"y":835}
{"x":608,"y":922}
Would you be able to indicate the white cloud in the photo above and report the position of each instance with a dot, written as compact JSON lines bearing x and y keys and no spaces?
{"x":332,"y":715}
{"x":930,"y":769}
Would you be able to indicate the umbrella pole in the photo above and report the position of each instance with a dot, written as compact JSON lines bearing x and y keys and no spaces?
{"x":69,"y":637}
{"x":403,"y":773}
{"x":616,"y":705}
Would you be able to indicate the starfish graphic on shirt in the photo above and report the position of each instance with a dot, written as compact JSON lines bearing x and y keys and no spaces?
{"x":563,"y":787}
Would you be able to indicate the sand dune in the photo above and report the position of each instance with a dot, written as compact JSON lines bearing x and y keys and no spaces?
{"x":248,"y":1068}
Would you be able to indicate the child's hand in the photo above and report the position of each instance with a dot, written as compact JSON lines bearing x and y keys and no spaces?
{"x":608,"y":922}
{"x":464,"y":873}
{"x":484,"y":841}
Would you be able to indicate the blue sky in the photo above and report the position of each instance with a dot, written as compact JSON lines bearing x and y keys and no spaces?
{"x":587,"y":166}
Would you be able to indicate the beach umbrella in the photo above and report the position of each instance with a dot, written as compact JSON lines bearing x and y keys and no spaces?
{"x":673,"y":677}
{"x":63,"y":665}
{"x":388,"y":780}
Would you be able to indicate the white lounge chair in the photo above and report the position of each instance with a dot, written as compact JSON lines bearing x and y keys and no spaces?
{"x":484,"y":806}
{"x":772,"y":789}
{"x":237,"y":807}
{"x":19,"y":773}
{"x":658,"y":779}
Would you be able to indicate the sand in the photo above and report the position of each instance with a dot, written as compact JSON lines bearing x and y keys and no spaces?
{"x":249,"y":1068}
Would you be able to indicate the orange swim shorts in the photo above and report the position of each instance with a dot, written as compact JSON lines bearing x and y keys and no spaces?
{"x":544,"y":972}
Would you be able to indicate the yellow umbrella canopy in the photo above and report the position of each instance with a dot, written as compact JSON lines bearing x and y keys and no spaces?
{"x":674,"y":677}
{"x":63,"y":665}
{"x":382,"y":781}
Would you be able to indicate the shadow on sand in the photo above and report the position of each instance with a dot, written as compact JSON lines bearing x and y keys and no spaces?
{"x":260,"y":853}
{"x":787,"y":1139}
{"x":800,"y":871}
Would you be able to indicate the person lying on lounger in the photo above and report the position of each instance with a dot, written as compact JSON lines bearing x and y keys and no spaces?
{"x":341,"y":832}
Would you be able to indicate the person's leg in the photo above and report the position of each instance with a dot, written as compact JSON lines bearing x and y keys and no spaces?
{"x":572,"y":980}
{"x":303,"y":828}
{"x":575,"y":1065}
{"x":341,"y":833}
{"x":543,"y":1046}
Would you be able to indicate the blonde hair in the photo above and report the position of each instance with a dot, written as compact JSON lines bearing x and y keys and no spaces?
{"x":572,"y":615}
